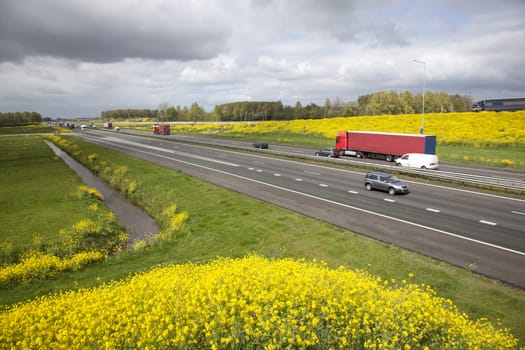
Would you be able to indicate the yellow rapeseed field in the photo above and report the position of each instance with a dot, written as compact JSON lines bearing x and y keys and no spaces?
{"x":248,"y":303}
{"x":486,"y":138}
{"x":485,"y":128}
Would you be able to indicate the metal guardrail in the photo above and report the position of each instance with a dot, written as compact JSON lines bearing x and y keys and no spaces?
{"x":490,"y":181}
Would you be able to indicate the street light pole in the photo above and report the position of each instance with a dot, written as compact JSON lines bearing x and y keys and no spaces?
{"x":422,"y":130}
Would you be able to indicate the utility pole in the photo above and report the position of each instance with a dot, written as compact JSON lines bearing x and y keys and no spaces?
{"x":422,"y":130}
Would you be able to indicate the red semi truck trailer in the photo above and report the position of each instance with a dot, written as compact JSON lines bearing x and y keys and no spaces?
{"x":389,"y":146}
{"x":161,"y":129}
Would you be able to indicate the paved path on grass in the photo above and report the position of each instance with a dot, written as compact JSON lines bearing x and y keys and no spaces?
{"x":137,"y":222}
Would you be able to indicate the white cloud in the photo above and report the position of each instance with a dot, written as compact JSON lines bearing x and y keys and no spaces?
{"x":215,"y":71}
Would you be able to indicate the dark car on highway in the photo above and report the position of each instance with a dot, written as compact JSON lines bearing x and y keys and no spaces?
{"x":260,"y":144}
{"x":327,"y":152}
{"x":385,"y":182}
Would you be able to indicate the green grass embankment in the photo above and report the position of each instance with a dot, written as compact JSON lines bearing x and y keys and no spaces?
{"x":37,"y":196}
{"x":51,"y":222}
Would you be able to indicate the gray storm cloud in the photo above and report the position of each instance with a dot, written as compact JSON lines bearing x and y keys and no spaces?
{"x":89,"y":32}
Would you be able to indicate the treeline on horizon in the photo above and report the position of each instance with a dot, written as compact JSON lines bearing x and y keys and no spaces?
{"x":19,"y":118}
{"x":378,"y":103}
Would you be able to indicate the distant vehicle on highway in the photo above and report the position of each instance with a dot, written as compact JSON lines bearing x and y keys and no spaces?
{"x":117,"y":128}
{"x":419,"y":160}
{"x":260,"y":144}
{"x":161,"y":129}
{"x":499,"y":104}
{"x":376,"y":180}
{"x":83,"y":127}
{"x":327,"y":152}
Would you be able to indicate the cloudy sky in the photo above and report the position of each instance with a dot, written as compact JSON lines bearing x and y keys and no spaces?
{"x":80,"y":57}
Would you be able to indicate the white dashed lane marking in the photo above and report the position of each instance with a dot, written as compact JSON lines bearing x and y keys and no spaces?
{"x":488,"y":222}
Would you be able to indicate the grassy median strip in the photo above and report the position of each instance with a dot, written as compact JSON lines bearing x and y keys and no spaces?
{"x":224,"y":223}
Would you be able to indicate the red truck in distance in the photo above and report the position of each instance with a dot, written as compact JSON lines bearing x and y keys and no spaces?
{"x":381,"y":145}
{"x":161,"y":129}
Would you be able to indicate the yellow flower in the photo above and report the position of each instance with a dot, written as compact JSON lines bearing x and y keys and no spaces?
{"x":251,"y":302}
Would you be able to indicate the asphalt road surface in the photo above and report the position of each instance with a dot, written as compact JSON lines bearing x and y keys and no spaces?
{"x":462,"y":227}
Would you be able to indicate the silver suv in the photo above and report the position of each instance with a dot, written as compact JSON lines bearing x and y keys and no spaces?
{"x":385,"y":182}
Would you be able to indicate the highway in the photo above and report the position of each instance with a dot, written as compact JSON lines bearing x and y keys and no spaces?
{"x":459,"y":226}
{"x":506,"y":179}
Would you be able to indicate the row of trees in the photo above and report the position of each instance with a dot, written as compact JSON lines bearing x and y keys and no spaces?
{"x":129,"y":114}
{"x":407,"y":103}
{"x":378,"y":103}
{"x":164,"y":113}
{"x":249,"y":111}
{"x":193,"y":113}
{"x":19,"y":118}
{"x":386,"y":103}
